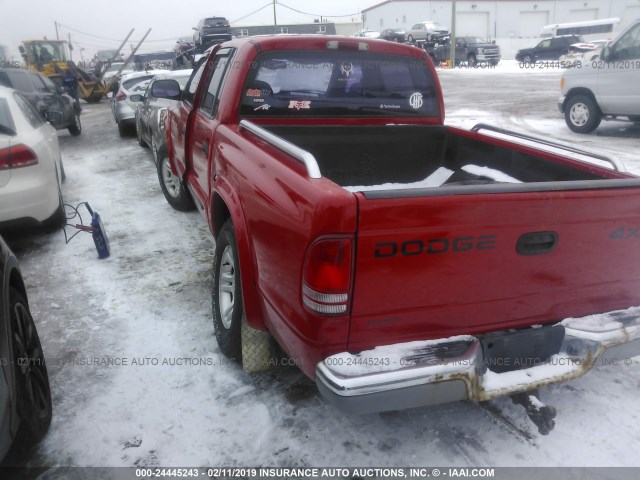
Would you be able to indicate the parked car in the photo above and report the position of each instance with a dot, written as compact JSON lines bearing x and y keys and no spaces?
{"x":212,"y":29}
{"x":548,"y":49}
{"x":49,"y":99}
{"x":25,"y":395}
{"x":151,"y":109}
{"x":471,"y":50}
{"x":112,"y":71}
{"x":366,"y":33}
{"x":31,"y":169}
{"x":424,"y":31}
{"x":122,"y":107}
{"x":582,"y":52}
{"x":184,"y":50}
{"x":604,"y":88}
{"x":394,"y":35}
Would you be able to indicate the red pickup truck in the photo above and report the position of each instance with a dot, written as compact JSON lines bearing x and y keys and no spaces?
{"x":399,"y":261}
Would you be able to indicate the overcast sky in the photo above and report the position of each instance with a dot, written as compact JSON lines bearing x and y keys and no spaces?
{"x":113,"y":19}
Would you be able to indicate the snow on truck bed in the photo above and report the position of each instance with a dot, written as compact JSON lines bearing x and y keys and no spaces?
{"x":437,"y":179}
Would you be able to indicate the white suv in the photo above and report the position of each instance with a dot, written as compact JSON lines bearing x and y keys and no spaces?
{"x":605,"y":87}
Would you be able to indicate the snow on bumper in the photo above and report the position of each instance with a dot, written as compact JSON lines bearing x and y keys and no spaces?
{"x":429,"y":372}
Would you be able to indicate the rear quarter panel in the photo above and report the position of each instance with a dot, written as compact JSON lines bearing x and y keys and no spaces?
{"x":284,"y":211}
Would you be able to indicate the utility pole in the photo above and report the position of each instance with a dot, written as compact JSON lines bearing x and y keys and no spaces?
{"x":275,"y":22}
{"x":70,"y":48}
{"x":56,"y":24}
{"x":452,"y":36}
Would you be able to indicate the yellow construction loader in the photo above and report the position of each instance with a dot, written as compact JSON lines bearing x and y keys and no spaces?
{"x":50,"y":58}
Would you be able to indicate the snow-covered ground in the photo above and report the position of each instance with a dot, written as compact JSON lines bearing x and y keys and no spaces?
{"x":137,"y":377}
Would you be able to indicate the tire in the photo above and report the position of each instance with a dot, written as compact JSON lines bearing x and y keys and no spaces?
{"x":95,"y":98}
{"x":410,"y":39}
{"x":154,"y":150}
{"x":528,"y":60}
{"x":471,"y":60}
{"x":582,"y":114}
{"x":76,"y":128}
{"x":141,"y":141}
{"x":63,"y":175}
{"x":226,"y":297}
{"x":33,"y":392}
{"x":59,"y":218}
{"x":122,"y":130}
{"x":173,"y":187}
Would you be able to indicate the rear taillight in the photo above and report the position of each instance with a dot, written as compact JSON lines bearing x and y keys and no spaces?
{"x":326,"y":281}
{"x":17,"y":156}
{"x":121,"y":96}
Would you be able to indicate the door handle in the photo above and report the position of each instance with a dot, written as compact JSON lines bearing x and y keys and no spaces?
{"x":205,"y":148}
{"x":536,"y":243}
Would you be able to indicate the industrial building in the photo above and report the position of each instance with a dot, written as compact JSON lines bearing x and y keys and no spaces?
{"x":497,"y":18}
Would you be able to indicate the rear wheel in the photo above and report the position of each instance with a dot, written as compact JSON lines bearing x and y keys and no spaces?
{"x":122,"y":130}
{"x":141,"y":141}
{"x":228,"y":310}
{"x":95,"y":98}
{"x":58,"y":218}
{"x":154,"y":149}
{"x":236,"y":339}
{"x":410,"y":39}
{"x":33,"y":393}
{"x":173,"y":187}
{"x":581,"y":114}
{"x":76,"y":128}
{"x":471,"y":60}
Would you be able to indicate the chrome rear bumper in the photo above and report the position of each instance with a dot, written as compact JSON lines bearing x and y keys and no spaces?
{"x":414,"y":374}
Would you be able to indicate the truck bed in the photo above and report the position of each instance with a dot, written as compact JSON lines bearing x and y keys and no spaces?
{"x":415,"y":156}
{"x":498,"y":235}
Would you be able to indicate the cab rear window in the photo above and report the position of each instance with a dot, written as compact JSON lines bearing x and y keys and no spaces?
{"x":345,"y":83}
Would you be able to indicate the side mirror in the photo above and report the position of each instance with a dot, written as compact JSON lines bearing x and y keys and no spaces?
{"x":493,"y":42}
{"x":606,"y":54}
{"x":136,"y":98}
{"x":194,"y":28}
{"x":169,"y":89}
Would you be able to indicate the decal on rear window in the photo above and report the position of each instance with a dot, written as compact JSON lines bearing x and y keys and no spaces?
{"x":344,"y":83}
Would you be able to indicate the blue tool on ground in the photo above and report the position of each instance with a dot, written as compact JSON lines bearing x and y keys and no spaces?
{"x":99,"y":234}
{"x":96,"y":229}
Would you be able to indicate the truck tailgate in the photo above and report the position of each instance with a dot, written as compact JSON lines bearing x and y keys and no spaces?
{"x":439,"y":266}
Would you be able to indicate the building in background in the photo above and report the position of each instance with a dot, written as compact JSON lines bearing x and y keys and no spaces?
{"x":513,"y":23}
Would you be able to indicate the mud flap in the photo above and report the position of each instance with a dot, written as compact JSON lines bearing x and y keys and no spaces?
{"x":256,"y":349}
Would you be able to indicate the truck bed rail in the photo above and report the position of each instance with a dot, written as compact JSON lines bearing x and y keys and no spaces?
{"x":313,"y":170}
{"x":617,"y":166}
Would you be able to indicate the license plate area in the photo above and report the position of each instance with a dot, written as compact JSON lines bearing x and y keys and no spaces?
{"x":509,"y":351}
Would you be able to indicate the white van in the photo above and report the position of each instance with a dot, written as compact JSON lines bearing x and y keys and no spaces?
{"x":607,"y":87}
